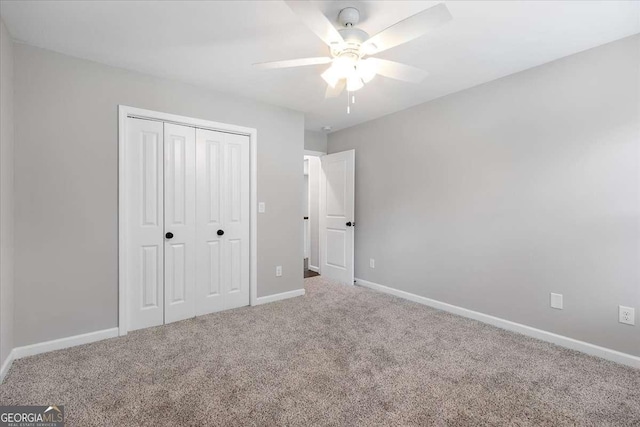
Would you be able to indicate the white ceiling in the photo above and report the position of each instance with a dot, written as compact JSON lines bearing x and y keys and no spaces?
{"x":214,"y":43}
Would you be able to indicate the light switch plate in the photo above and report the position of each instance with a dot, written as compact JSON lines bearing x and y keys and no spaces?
{"x":556,"y":301}
{"x":372,"y":263}
{"x":279,"y":271}
{"x":262,"y":207}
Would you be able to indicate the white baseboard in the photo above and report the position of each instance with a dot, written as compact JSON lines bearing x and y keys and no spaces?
{"x":314,"y":268}
{"x":585,"y":347}
{"x":6,"y":365}
{"x":59,"y":344}
{"x":278,"y":297}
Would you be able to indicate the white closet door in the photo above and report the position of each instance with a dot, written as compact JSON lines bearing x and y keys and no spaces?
{"x":222,"y":221}
{"x":144,"y":242}
{"x":180,"y":221}
{"x":236,"y":220}
{"x":210,"y":280}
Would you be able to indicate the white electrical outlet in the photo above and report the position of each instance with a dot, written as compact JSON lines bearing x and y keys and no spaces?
{"x":556,"y":301}
{"x":278,"y":271}
{"x":372,"y":263}
{"x":626,"y":315}
{"x":262,"y":207}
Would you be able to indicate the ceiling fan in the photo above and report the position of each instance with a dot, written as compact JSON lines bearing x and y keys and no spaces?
{"x":351,"y":48}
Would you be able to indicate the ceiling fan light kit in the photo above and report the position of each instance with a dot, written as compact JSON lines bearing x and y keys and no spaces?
{"x":348,"y":47}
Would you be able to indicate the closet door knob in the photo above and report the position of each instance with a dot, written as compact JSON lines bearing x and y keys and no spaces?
{"x":169,"y":235}
{"x":220,"y":232}
{"x":348,"y":224}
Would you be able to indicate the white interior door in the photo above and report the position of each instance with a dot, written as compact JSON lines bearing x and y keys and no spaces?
{"x":337,"y":219}
{"x":179,"y":222}
{"x":144,"y":153}
{"x":222,"y":218}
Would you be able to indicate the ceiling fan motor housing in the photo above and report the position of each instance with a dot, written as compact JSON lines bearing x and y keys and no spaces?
{"x":353,"y":39}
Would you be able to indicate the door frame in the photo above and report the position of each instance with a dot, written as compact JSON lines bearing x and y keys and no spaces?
{"x":314,"y":153}
{"x":125,"y":112}
{"x":318,"y":154}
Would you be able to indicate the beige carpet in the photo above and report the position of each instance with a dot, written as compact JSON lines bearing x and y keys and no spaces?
{"x":337,"y":356}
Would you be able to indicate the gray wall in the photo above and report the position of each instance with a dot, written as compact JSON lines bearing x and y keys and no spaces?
{"x":493,"y":197}
{"x":6,"y":193}
{"x":66,"y":186}
{"x":315,"y":141}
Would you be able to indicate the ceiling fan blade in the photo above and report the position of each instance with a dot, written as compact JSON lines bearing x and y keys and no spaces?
{"x":333,"y":92}
{"x":398,"y":71}
{"x":316,"y":21}
{"x":408,"y":29}
{"x":292,"y":63}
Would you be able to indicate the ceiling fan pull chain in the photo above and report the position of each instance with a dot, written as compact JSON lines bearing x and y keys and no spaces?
{"x":348,"y":106}
{"x":353,"y":99}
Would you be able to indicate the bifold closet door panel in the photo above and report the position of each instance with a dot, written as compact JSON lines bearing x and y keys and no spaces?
{"x":144,"y":153}
{"x":179,"y":222}
{"x":209,"y":175}
{"x":222,"y":221}
{"x":236,"y":163}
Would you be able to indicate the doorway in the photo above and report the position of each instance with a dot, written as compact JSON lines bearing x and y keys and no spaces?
{"x":329,"y":215}
{"x":311,"y":212}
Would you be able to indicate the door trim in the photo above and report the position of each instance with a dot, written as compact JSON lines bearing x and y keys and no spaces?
{"x":124,"y":112}
{"x":314,"y":153}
